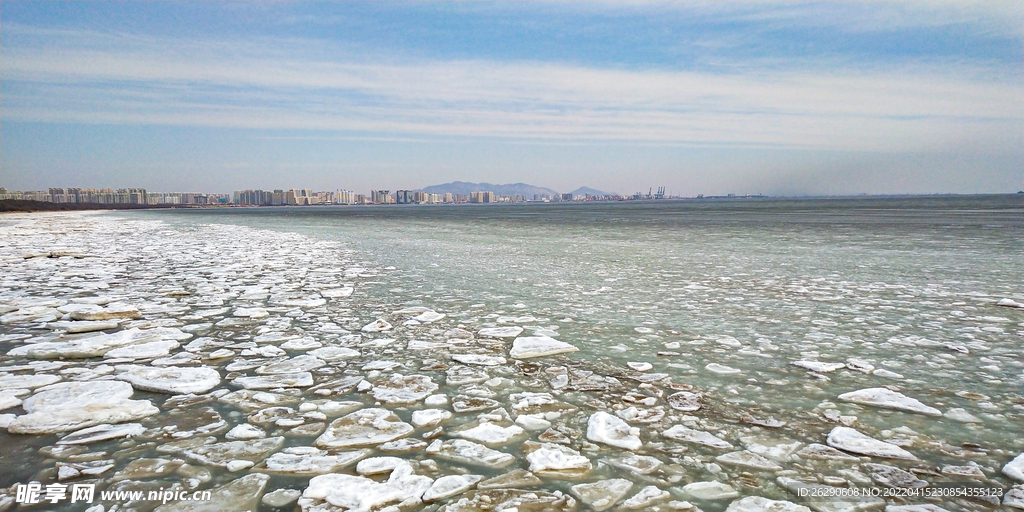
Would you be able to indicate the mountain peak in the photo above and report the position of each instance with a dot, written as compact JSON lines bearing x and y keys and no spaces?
{"x":511,"y":189}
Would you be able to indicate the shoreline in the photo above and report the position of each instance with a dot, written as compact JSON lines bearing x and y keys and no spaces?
{"x":29,"y":206}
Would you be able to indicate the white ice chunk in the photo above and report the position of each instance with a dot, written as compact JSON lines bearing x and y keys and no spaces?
{"x":170,"y":379}
{"x":378,"y":325}
{"x":429,"y":417}
{"x":603,"y":494}
{"x":366,"y":427}
{"x":478,"y":359}
{"x":850,"y":440}
{"x":1015,"y":468}
{"x":700,"y":437}
{"x":759,"y":504}
{"x":819,"y":366}
{"x":500,"y":332}
{"x":888,"y":399}
{"x":537,"y":346}
{"x":448,"y":486}
{"x":605,"y":428}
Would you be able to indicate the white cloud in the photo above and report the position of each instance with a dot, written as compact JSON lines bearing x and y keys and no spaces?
{"x":83,"y":77}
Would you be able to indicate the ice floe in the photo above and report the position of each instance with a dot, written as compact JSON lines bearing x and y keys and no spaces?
{"x":558,"y":461}
{"x":681,"y":433}
{"x":1015,"y":468}
{"x":850,"y":440}
{"x":169,"y":379}
{"x":467,"y":452}
{"x":537,"y":346}
{"x":604,"y":494}
{"x":68,"y":406}
{"x":888,"y":399}
{"x":366,"y":427}
{"x":607,"y":429}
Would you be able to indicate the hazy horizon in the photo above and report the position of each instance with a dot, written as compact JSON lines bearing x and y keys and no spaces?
{"x":779,"y":99}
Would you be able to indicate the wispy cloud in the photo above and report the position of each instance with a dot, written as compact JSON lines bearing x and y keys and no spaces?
{"x":295,"y":84}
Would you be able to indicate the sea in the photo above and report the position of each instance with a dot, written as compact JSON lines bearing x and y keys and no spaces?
{"x":744,"y":319}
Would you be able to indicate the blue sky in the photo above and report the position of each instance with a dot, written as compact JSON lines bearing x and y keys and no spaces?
{"x":713,"y":98}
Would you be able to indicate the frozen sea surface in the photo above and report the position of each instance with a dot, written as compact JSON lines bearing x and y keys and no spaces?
{"x":677,"y":355}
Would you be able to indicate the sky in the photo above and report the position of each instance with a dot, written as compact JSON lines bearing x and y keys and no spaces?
{"x":795,"y":98}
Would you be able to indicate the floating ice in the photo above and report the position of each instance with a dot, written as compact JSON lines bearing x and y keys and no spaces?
{"x":102,"y":433}
{"x":281,"y":380}
{"x":306,"y":460}
{"x":819,"y":366}
{"x":366,"y":427}
{"x":646,"y":498}
{"x":501,"y":332}
{"x":301,"y":363}
{"x":458,"y":375}
{"x":149,"y":350}
{"x":721,"y":369}
{"x":749,"y":460}
{"x":1015,"y":468}
{"x":888,"y":399}
{"x":685,"y":401}
{"x":759,"y":504}
{"x":93,"y":346}
{"x":607,"y":429}
{"x":244,"y":432}
{"x":491,"y":434}
{"x":639,"y":464}
{"x":241,"y":494}
{"x":850,"y":440}
{"x":891,"y":476}
{"x":710,"y":490}
{"x":84,"y":326}
{"x":12,"y":382}
{"x":222,"y":454}
{"x":430,"y":417}
{"x":478,"y":359}
{"x":557,"y":460}
{"x":337,"y":293}
{"x":604,"y":494}
{"x":109,"y":312}
{"x":402,"y":389}
{"x":427,"y":317}
{"x":334,"y":353}
{"x":448,"y":486}
{"x":640,"y":367}
{"x":173,"y":380}
{"x":378,"y":325}
{"x":537,"y":346}
{"x":700,"y":437}
{"x":516,"y":478}
{"x":67,"y":406}
{"x":468,"y":452}
{"x":281,"y":498}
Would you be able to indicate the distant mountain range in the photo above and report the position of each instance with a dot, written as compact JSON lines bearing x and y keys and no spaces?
{"x":511,"y":189}
{"x":582,"y":191}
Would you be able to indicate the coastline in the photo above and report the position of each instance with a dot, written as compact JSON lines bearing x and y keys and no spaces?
{"x":23,"y":206}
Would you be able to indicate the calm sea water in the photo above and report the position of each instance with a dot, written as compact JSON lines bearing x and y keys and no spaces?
{"x":751,"y":284}
{"x":722,"y":296}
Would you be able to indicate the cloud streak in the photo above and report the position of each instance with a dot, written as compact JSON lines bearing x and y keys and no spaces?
{"x":280,"y":84}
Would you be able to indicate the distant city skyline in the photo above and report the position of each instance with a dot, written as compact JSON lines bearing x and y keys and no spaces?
{"x":744,"y":98}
